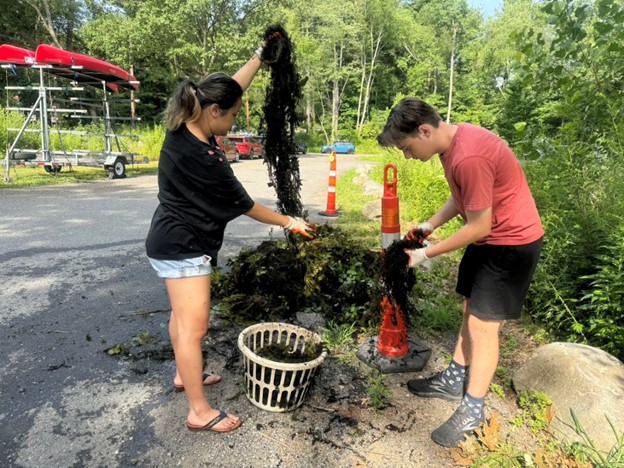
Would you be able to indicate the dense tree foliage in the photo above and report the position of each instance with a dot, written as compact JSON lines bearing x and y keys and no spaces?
{"x":546,"y":75}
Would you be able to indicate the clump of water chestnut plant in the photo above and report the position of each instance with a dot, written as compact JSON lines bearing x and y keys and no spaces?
{"x":281,"y":352}
{"x":331,"y":274}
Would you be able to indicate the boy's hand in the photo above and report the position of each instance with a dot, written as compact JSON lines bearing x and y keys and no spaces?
{"x":416,"y":257}
{"x":423,"y":230}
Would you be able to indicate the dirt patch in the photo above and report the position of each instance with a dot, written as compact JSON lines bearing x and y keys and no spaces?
{"x":337,"y":424}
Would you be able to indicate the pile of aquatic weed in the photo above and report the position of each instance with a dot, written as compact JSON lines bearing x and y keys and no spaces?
{"x":280,"y":352}
{"x":280,"y":116}
{"x":332,"y":274}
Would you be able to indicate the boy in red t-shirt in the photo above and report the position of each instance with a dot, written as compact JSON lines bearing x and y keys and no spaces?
{"x":503,"y":237}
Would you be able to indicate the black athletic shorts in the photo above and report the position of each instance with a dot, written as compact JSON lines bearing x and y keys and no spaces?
{"x":496,"y":278}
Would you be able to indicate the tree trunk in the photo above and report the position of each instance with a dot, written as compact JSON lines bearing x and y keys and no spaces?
{"x":359,"y":117}
{"x":46,"y":19}
{"x":335,"y":109}
{"x":336,"y":93}
{"x":309,"y":111}
{"x":450,"y":98}
{"x":369,"y":84}
{"x":69,"y":38}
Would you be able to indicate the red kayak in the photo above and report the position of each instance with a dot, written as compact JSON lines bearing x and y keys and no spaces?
{"x":16,"y":55}
{"x":24,"y":57}
{"x":98,"y":69}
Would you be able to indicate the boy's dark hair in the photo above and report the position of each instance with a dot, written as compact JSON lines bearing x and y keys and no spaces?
{"x":404,"y":120}
{"x":187,"y":102}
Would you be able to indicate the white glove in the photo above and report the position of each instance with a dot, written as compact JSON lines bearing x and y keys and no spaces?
{"x":424,"y":229}
{"x":416,"y":257}
{"x":299,"y":226}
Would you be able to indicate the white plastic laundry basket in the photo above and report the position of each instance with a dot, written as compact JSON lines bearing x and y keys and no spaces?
{"x":271,"y":385}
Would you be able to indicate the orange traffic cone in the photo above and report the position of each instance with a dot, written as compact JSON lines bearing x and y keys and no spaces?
{"x":393,"y":332}
{"x":330,"y":211}
{"x":393,"y":350}
{"x":390,"y":225}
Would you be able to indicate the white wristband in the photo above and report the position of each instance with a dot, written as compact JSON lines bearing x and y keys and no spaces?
{"x":258,"y":52}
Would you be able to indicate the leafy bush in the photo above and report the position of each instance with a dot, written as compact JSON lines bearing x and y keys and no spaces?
{"x":604,"y":300}
{"x":579,"y":196}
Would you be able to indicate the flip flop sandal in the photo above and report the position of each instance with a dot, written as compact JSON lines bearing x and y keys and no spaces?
{"x":180,"y":388}
{"x":210,"y":426}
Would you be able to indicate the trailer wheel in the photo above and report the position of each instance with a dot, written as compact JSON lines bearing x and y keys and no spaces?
{"x":117,"y":170}
{"x":50,"y":169}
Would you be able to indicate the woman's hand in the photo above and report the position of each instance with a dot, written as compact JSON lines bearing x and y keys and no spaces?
{"x":300,"y":226}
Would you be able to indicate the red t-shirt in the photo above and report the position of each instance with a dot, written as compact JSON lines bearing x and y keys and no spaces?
{"x":483,"y":172}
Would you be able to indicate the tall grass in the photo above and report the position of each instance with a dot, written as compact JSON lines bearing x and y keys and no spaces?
{"x":422,"y":189}
{"x":147,"y":140}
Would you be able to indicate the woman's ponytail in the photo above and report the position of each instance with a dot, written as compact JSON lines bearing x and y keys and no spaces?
{"x":183,"y":106}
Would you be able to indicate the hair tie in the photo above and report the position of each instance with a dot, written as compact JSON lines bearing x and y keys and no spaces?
{"x":194,"y":87}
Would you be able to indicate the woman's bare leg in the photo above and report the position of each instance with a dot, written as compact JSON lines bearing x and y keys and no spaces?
{"x":190,"y":312}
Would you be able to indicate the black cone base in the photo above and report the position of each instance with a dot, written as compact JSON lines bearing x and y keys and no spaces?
{"x":414,"y":361}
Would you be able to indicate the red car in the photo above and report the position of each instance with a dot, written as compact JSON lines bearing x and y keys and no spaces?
{"x":229,"y":148}
{"x":248,"y":146}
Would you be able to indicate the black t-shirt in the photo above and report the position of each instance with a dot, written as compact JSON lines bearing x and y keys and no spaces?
{"x":198,"y":194}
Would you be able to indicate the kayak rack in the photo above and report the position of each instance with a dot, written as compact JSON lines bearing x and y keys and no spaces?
{"x":81,"y":70}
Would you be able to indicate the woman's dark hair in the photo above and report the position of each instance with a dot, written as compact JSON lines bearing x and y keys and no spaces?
{"x":405,"y":119}
{"x":188,"y":100}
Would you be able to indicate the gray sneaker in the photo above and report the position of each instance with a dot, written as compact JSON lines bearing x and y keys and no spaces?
{"x":434,"y":387}
{"x":452,"y":432}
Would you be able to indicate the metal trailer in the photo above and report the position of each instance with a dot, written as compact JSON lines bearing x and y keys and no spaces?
{"x":114,"y":162}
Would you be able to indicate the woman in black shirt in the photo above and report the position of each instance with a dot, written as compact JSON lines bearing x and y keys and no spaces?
{"x":199,"y":194}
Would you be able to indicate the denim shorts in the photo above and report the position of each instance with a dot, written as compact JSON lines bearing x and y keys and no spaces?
{"x":173,"y":269}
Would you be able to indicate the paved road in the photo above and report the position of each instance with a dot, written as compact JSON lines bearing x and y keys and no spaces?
{"x":74,"y":281}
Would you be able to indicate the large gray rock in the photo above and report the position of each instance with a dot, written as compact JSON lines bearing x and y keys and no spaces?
{"x":362,"y":172}
{"x":372,"y":210}
{"x":581,"y":378}
{"x":372,"y":188}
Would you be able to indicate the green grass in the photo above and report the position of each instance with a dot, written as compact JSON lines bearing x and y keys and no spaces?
{"x":378,"y":393}
{"x":439,"y":308}
{"x":586,"y":450}
{"x":509,"y":344}
{"x":505,"y":377}
{"x":351,"y":201}
{"x":34,"y":176}
{"x":340,"y":340}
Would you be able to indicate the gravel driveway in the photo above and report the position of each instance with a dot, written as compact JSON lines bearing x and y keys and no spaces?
{"x":74,"y":281}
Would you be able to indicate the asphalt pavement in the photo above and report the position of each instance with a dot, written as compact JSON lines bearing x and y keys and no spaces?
{"x":74,"y":282}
